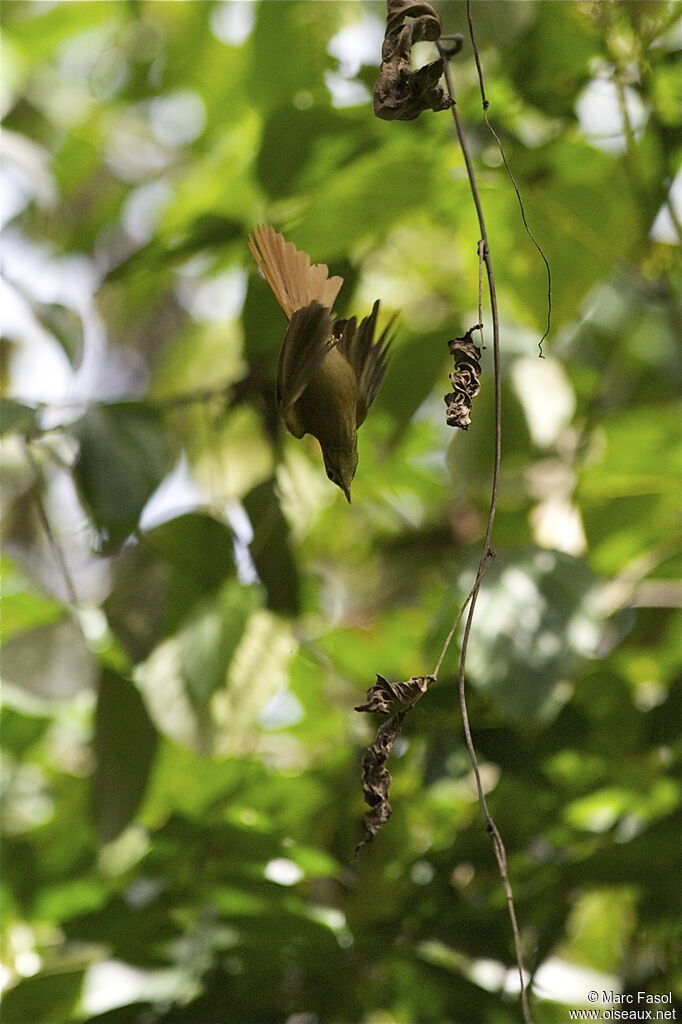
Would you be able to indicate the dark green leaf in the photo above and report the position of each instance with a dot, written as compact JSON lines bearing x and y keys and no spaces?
{"x":125,"y":453}
{"x":159,"y":580}
{"x":16,"y":418}
{"x":66,"y":326}
{"x":42,"y":999}
{"x":271,"y":549}
{"x":125,"y":747}
{"x":19,"y":731}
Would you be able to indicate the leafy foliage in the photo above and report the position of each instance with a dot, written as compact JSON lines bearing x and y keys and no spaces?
{"x":182,"y":760}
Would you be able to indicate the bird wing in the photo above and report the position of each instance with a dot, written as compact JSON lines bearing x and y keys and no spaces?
{"x":287,"y":270}
{"x":306,"y":343}
{"x":367,"y":357}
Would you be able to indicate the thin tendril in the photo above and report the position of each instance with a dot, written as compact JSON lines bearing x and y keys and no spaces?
{"x":485,"y":104}
{"x":486,"y":552}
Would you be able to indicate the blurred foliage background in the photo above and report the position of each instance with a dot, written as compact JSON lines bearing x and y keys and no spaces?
{"x":191,"y":610}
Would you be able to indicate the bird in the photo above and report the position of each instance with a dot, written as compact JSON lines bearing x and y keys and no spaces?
{"x":329,"y":370}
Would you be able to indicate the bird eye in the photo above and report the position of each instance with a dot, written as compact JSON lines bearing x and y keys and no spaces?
{"x":331,"y":475}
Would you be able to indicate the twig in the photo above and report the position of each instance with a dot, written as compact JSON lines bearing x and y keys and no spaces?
{"x":482,"y":569}
{"x":486,"y":552}
{"x":479,"y":250}
{"x":485,"y":104}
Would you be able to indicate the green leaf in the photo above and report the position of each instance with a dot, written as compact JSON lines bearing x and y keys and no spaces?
{"x":414,"y":367}
{"x":630,"y":496}
{"x":125,"y":746}
{"x":286,"y":29}
{"x":567,"y":42}
{"x":210,"y":638}
{"x":208,"y":231}
{"x":301,"y":145}
{"x":131,"y":1013}
{"x":536,"y":617}
{"x":20,"y":731}
{"x":125,"y":453}
{"x":159,"y":580}
{"x":23,"y":607}
{"x":66,"y":326}
{"x":271,"y":549}
{"x":51,"y":661}
{"x":43,"y":999}
{"x":368,"y":197}
{"x":16,"y":417}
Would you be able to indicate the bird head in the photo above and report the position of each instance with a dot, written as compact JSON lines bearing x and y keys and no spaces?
{"x":341,"y":463}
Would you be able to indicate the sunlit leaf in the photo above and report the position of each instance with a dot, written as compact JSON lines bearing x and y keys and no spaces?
{"x":538,"y":615}
{"x":50,"y":661}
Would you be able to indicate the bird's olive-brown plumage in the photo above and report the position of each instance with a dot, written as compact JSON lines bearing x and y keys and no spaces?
{"x":329,"y":370}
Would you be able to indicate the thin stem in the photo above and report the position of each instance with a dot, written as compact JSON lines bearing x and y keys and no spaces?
{"x":486,"y":552}
{"x":485,"y":104}
{"x":479,"y":250}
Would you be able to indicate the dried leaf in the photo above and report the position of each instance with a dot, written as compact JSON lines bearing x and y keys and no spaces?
{"x":465,"y":379}
{"x":384,"y":693}
{"x":402,"y":93}
{"x":376,"y":778}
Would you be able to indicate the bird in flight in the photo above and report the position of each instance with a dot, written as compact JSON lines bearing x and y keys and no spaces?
{"x":329,"y":369}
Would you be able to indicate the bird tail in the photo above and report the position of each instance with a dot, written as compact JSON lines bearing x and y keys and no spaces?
{"x":287,"y":270}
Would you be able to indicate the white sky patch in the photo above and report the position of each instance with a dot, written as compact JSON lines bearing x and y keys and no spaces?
{"x":281,"y":711}
{"x":26,"y":175}
{"x":601,"y":118}
{"x":232,"y":21}
{"x":566,"y":983}
{"x":242,"y":532}
{"x":353,"y":46}
{"x":111,"y":983}
{"x":546,"y":395}
{"x":357,"y":45}
{"x":216,"y":298}
{"x":176,"y":495}
{"x":40,"y":370}
{"x":143,"y":208}
{"x":557,"y":524}
{"x":179,"y":118}
{"x":345,"y":92}
{"x":663,"y":229}
{"x":283,"y":871}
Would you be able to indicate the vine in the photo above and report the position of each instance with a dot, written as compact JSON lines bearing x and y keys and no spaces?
{"x":402,"y":94}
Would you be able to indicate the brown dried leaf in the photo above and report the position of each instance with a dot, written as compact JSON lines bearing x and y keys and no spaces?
{"x":384,"y":693}
{"x":402,"y":93}
{"x":376,"y":778}
{"x":465,"y":380}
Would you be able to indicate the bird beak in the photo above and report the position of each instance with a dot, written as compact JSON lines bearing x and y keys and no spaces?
{"x":346,"y":491}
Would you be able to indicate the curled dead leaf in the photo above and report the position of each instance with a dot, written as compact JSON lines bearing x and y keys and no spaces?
{"x":401,"y":93}
{"x":466,"y":379}
{"x":384,"y":697}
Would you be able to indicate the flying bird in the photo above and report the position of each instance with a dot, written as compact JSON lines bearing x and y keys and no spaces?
{"x":329,"y":370}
